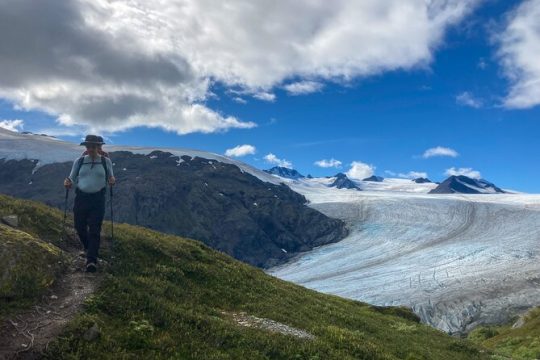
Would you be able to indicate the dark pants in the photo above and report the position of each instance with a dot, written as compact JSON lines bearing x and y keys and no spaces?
{"x":88,"y":210}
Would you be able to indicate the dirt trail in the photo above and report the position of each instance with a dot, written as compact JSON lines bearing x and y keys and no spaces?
{"x":27,"y":334}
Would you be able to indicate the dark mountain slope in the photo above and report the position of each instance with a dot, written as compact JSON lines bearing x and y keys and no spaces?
{"x":217,"y":203}
{"x":343,"y":182}
{"x":465,"y":185}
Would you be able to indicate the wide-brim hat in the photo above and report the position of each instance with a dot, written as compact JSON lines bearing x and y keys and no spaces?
{"x":93,"y":139}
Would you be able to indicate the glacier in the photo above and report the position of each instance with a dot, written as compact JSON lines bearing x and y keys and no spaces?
{"x":457,"y":260}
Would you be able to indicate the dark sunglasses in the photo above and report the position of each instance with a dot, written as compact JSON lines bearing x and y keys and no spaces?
{"x":91,"y":146}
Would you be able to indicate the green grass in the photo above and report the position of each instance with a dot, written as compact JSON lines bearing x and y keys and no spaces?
{"x":30,"y":259}
{"x":519,"y":343}
{"x":36,"y":219}
{"x":27,"y":267}
{"x":165,"y":297}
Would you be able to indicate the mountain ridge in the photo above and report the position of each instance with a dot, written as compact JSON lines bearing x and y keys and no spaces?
{"x":225,"y":204}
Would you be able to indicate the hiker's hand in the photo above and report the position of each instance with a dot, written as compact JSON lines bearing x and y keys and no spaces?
{"x":68,"y":183}
{"x":112,"y":180}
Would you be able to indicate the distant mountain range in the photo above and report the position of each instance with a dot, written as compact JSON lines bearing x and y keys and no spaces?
{"x":453,"y":184}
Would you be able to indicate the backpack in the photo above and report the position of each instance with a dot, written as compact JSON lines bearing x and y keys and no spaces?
{"x":103,"y":163}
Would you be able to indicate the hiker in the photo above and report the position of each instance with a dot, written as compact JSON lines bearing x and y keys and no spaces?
{"x":91,"y":173}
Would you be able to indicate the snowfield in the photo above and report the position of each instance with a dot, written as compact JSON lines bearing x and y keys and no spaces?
{"x":457,"y":260}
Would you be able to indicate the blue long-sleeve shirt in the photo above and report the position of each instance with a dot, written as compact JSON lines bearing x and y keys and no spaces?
{"x":91,"y":177}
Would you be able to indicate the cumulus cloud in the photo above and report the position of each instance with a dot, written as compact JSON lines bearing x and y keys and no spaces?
{"x":519,"y":49}
{"x":273,"y":159}
{"x":468,"y":99}
{"x":114,"y":65}
{"x":413,"y":175}
{"x":440,"y":151}
{"x":303,"y":87}
{"x":12,"y":125}
{"x":463,"y":171}
{"x":360,"y":170}
{"x":97,"y":64}
{"x":241,"y":150}
{"x":328,"y":163}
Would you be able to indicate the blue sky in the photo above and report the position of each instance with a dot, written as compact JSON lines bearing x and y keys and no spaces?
{"x":385,"y":119}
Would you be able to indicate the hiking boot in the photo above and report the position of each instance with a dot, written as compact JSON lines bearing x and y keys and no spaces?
{"x":91,"y":267}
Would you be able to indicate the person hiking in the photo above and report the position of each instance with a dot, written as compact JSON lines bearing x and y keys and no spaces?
{"x":91,"y":174}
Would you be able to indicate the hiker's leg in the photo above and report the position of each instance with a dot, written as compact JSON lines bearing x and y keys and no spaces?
{"x":80,"y":213}
{"x":95,"y":219}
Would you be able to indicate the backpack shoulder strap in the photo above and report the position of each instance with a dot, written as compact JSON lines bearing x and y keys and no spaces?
{"x":79,"y":164}
{"x":104,"y":163}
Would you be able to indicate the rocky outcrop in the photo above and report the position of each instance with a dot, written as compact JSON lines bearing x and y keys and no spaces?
{"x":285,"y":172}
{"x":374,"y":178}
{"x":422,"y":180}
{"x":343,"y":182}
{"x":465,"y":185}
{"x":214,"y":202}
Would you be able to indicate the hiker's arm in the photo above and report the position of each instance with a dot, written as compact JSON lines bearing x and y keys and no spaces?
{"x":68,"y":182}
{"x":112,"y":179}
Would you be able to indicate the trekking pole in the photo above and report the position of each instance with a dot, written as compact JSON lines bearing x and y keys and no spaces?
{"x":65,"y":215}
{"x":112,"y":217}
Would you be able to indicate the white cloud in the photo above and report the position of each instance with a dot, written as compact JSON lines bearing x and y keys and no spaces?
{"x":265,"y":96}
{"x":273,"y":159}
{"x":127,"y":63}
{"x":12,"y":125}
{"x":390,"y":172}
{"x":468,"y":99}
{"x":303,"y":87}
{"x":239,"y":100}
{"x":413,"y":175}
{"x":240,"y":150}
{"x":360,"y":170}
{"x":519,"y":53}
{"x":108,"y":71}
{"x":328,"y":163}
{"x":439,"y":151}
{"x":463,"y":171}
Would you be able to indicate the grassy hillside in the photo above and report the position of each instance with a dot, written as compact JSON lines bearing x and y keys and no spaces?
{"x":522,"y":342}
{"x":28,"y":265}
{"x":31,"y":257}
{"x":167,"y":297}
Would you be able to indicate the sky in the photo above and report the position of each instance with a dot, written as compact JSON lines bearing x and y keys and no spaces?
{"x":400,"y":88}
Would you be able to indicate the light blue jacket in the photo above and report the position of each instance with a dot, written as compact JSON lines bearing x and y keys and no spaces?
{"x":91,"y":177}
